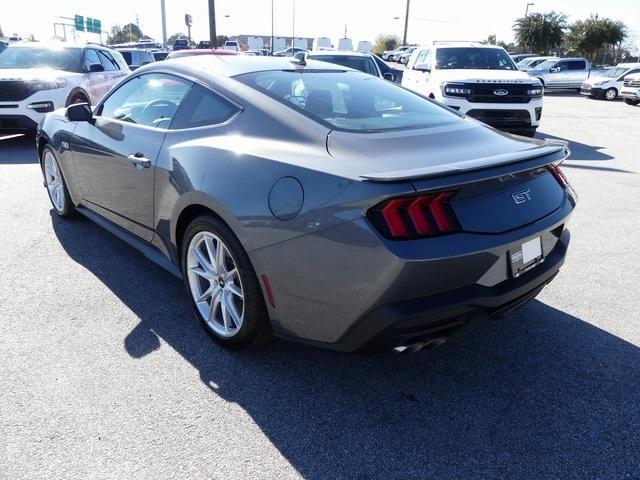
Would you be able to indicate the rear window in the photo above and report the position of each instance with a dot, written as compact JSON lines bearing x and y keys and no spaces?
{"x":364,"y":64}
{"x":350,"y":101}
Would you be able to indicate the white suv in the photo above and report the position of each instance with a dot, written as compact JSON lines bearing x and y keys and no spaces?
{"x":36,"y":78}
{"x":631,"y":89}
{"x":478,"y":80}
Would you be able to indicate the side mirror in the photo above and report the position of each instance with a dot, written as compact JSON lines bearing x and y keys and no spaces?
{"x":389,"y":76}
{"x":96,"y":67}
{"x":79,"y":112}
{"x":554,"y":69}
{"x":422,"y":67}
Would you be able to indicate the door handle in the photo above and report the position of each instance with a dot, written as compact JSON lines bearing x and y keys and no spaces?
{"x":138,"y":160}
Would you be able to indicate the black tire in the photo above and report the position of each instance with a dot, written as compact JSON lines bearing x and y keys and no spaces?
{"x":629,"y":101}
{"x":256,"y":327}
{"x":610,"y":92}
{"x":68,"y":210}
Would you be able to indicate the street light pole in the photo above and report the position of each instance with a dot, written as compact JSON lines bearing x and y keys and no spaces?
{"x":293,"y":31}
{"x":212,"y":24}
{"x":406,"y":24}
{"x":164,"y":24}
{"x":526,"y":12}
{"x":271,"y":27}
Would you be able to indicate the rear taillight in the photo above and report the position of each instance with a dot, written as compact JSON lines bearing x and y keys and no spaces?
{"x":558,"y":175}
{"x":414,"y":217}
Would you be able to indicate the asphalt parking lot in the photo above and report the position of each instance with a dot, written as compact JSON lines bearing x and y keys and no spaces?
{"x":105,"y":374}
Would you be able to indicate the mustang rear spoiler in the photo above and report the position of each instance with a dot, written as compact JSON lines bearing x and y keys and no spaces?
{"x":551,"y":147}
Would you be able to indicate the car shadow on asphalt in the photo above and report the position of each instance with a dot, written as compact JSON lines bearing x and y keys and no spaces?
{"x":539,"y":394}
{"x":18,"y":149}
{"x":579,"y":151}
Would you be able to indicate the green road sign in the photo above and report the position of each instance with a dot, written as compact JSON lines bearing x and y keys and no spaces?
{"x":79,"y":23}
{"x":89,"y":22}
{"x":97,"y":26}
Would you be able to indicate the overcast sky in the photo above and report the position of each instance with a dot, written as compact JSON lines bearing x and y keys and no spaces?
{"x":428,"y":20}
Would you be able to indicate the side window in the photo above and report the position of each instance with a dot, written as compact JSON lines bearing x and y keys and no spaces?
{"x":148,"y":58}
{"x":428,"y":57}
{"x":421,"y":56}
{"x":577,"y":65}
{"x":90,"y":58}
{"x":151,"y":100}
{"x":630,"y":72}
{"x":564,"y":66}
{"x":203,"y":107}
{"x":107,"y":61}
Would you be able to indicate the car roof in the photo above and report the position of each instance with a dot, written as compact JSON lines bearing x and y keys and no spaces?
{"x":202,"y":52}
{"x":133,"y":50}
{"x":57,"y":45}
{"x":450,"y":44}
{"x":232,"y":65}
{"x":339,"y":53}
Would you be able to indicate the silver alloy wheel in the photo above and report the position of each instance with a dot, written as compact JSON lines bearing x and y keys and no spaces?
{"x":610,"y":94}
{"x":53,"y":179}
{"x":215,"y":284}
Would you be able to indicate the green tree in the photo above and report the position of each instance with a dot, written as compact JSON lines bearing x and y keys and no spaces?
{"x":129,"y":33}
{"x":385,"y":41}
{"x":491,"y":40}
{"x":174,"y":37}
{"x":592,"y":36}
{"x":540,"y":32}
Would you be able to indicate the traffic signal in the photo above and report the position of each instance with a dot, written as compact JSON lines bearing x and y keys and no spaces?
{"x":79,"y":23}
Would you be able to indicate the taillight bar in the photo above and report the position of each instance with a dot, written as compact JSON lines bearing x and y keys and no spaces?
{"x":558,"y":175}
{"x":416,"y":216}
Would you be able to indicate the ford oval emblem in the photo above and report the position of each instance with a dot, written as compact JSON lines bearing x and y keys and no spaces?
{"x":501,"y":92}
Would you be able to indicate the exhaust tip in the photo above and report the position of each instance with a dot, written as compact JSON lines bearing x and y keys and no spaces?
{"x":419,"y":345}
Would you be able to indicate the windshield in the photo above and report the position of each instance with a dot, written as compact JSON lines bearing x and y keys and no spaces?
{"x":67,"y":59}
{"x":349,"y":101}
{"x":473,"y":58}
{"x":364,"y":64}
{"x":546,"y":64}
{"x":615,"y":72}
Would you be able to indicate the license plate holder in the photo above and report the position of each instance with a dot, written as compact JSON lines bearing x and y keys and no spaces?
{"x":526,"y":256}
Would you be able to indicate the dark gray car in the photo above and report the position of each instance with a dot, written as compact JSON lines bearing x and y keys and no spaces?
{"x":314,"y":202}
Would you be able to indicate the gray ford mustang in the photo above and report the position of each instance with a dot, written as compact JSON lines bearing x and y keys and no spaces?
{"x":313,"y":202}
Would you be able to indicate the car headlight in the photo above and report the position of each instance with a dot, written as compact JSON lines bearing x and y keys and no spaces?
{"x":535,"y":91}
{"x":49,"y":84}
{"x":455,"y":89}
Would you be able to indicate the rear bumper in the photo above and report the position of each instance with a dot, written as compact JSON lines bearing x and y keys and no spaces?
{"x":447,"y":316}
{"x":347,"y":288}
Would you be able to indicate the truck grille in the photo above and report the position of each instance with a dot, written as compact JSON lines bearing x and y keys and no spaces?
{"x":486,"y":93}
{"x":632,"y":83}
{"x":14,"y":90}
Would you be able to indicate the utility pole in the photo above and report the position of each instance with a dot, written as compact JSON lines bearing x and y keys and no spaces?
{"x":271,"y":27}
{"x":212,"y":24}
{"x":164,"y":24}
{"x":293,"y":31}
{"x":406,"y":25}
{"x":345,"y":30}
